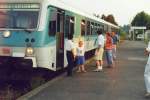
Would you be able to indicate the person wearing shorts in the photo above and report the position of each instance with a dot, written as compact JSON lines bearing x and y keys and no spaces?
{"x":80,"y":57}
{"x":99,"y":51}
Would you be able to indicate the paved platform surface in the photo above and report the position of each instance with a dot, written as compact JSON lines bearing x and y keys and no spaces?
{"x":124,"y":82}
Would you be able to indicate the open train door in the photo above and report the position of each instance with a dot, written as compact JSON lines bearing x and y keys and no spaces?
{"x":56,"y":32}
{"x":60,"y":40}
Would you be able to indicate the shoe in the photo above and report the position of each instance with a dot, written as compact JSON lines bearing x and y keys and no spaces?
{"x":147,"y":95}
{"x":97,"y":70}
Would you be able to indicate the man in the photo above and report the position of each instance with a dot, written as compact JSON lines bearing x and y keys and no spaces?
{"x":70,"y":54}
{"x":99,"y":51}
{"x":108,"y":49}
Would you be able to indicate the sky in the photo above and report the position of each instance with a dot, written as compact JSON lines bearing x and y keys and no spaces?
{"x":123,"y":10}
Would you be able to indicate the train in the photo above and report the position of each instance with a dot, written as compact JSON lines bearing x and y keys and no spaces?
{"x":34,"y":32}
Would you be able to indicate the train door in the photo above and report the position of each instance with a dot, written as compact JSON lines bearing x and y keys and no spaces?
{"x":56,"y":31}
{"x":60,"y":39}
{"x":69,"y":30}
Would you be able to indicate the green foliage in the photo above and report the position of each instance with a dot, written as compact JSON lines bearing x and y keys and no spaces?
{"x":141,"y":19}
{"x":126,"y":28}
{"x":123,"y":34}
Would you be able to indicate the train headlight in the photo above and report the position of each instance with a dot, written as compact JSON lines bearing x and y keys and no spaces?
{"x":29,"y":51}
{"x":6,"y":34}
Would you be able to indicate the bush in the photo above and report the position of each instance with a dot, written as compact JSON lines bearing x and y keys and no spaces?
{"x":122,"y":35}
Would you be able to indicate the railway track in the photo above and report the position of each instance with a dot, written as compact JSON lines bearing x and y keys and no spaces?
{"x":17,"y":82}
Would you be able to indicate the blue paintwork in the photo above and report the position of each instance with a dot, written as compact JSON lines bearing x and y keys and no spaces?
{"x":17,"y":39}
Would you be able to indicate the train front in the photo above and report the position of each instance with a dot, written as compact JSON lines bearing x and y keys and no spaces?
{"x":18,"y":25}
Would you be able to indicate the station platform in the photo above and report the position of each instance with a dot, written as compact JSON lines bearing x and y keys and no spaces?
{"x":123,"y":82}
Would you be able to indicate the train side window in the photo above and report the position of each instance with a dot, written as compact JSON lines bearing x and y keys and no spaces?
{"x":105,"y":28}
{"x":72,"y":25}
{"x":69,"y":25}
{"x":102,"y":28}
{"x":92,"y":28}
{"x":52,"y":23}
{"x":99,"y":27}
{"x":88,"y":27}
{"x":95,"y":28}
{"x":82,"y":27}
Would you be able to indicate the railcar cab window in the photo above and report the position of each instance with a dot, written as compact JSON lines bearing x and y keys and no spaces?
{"x":88,"y":28}
{"x":18,"y":16}
{"x":82,"y":27}
{"x":69,"y":25}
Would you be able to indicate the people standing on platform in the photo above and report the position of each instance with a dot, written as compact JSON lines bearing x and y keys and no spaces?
{"x":99,"y":51}
{"x":114,"y":46}
{"x":108,"y":49}
{"x":147,"y":72}
{"x":80,"y":59}
{"x":70,"y":53}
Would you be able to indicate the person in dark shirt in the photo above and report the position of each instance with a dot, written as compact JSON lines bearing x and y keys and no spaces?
{"x":114,"y":46}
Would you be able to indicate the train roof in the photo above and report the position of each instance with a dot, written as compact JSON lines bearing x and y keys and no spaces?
{"x":62,"y":5}
{"x":66,"y":6}
{"x":21,"y":1}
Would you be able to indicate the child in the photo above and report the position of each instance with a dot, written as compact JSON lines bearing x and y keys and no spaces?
{"x":80,"y":57}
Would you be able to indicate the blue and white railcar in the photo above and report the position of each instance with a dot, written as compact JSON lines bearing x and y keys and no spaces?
{"x":34,"y":32}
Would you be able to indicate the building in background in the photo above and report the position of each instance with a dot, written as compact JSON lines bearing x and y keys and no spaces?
{"x":137,"y":33}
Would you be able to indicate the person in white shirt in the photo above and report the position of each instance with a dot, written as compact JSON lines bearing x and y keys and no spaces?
{"x":80,"y":57}
{"x":70,"y":54}
{"x":99,"y":51}
{"x":147,"y":72}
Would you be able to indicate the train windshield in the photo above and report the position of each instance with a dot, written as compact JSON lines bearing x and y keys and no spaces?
{"x":18,"y":18}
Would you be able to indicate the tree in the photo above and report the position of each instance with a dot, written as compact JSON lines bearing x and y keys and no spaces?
{"x":103,"y":17}
{"x":126,"y":28}
{"x":110,"y":18}
{"x":141,"y":19}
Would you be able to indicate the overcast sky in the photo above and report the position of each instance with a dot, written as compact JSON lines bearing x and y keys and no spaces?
{"x":123,"y":10}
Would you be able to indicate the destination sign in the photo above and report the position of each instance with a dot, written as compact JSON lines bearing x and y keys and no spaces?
{"x":19,"y":6}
